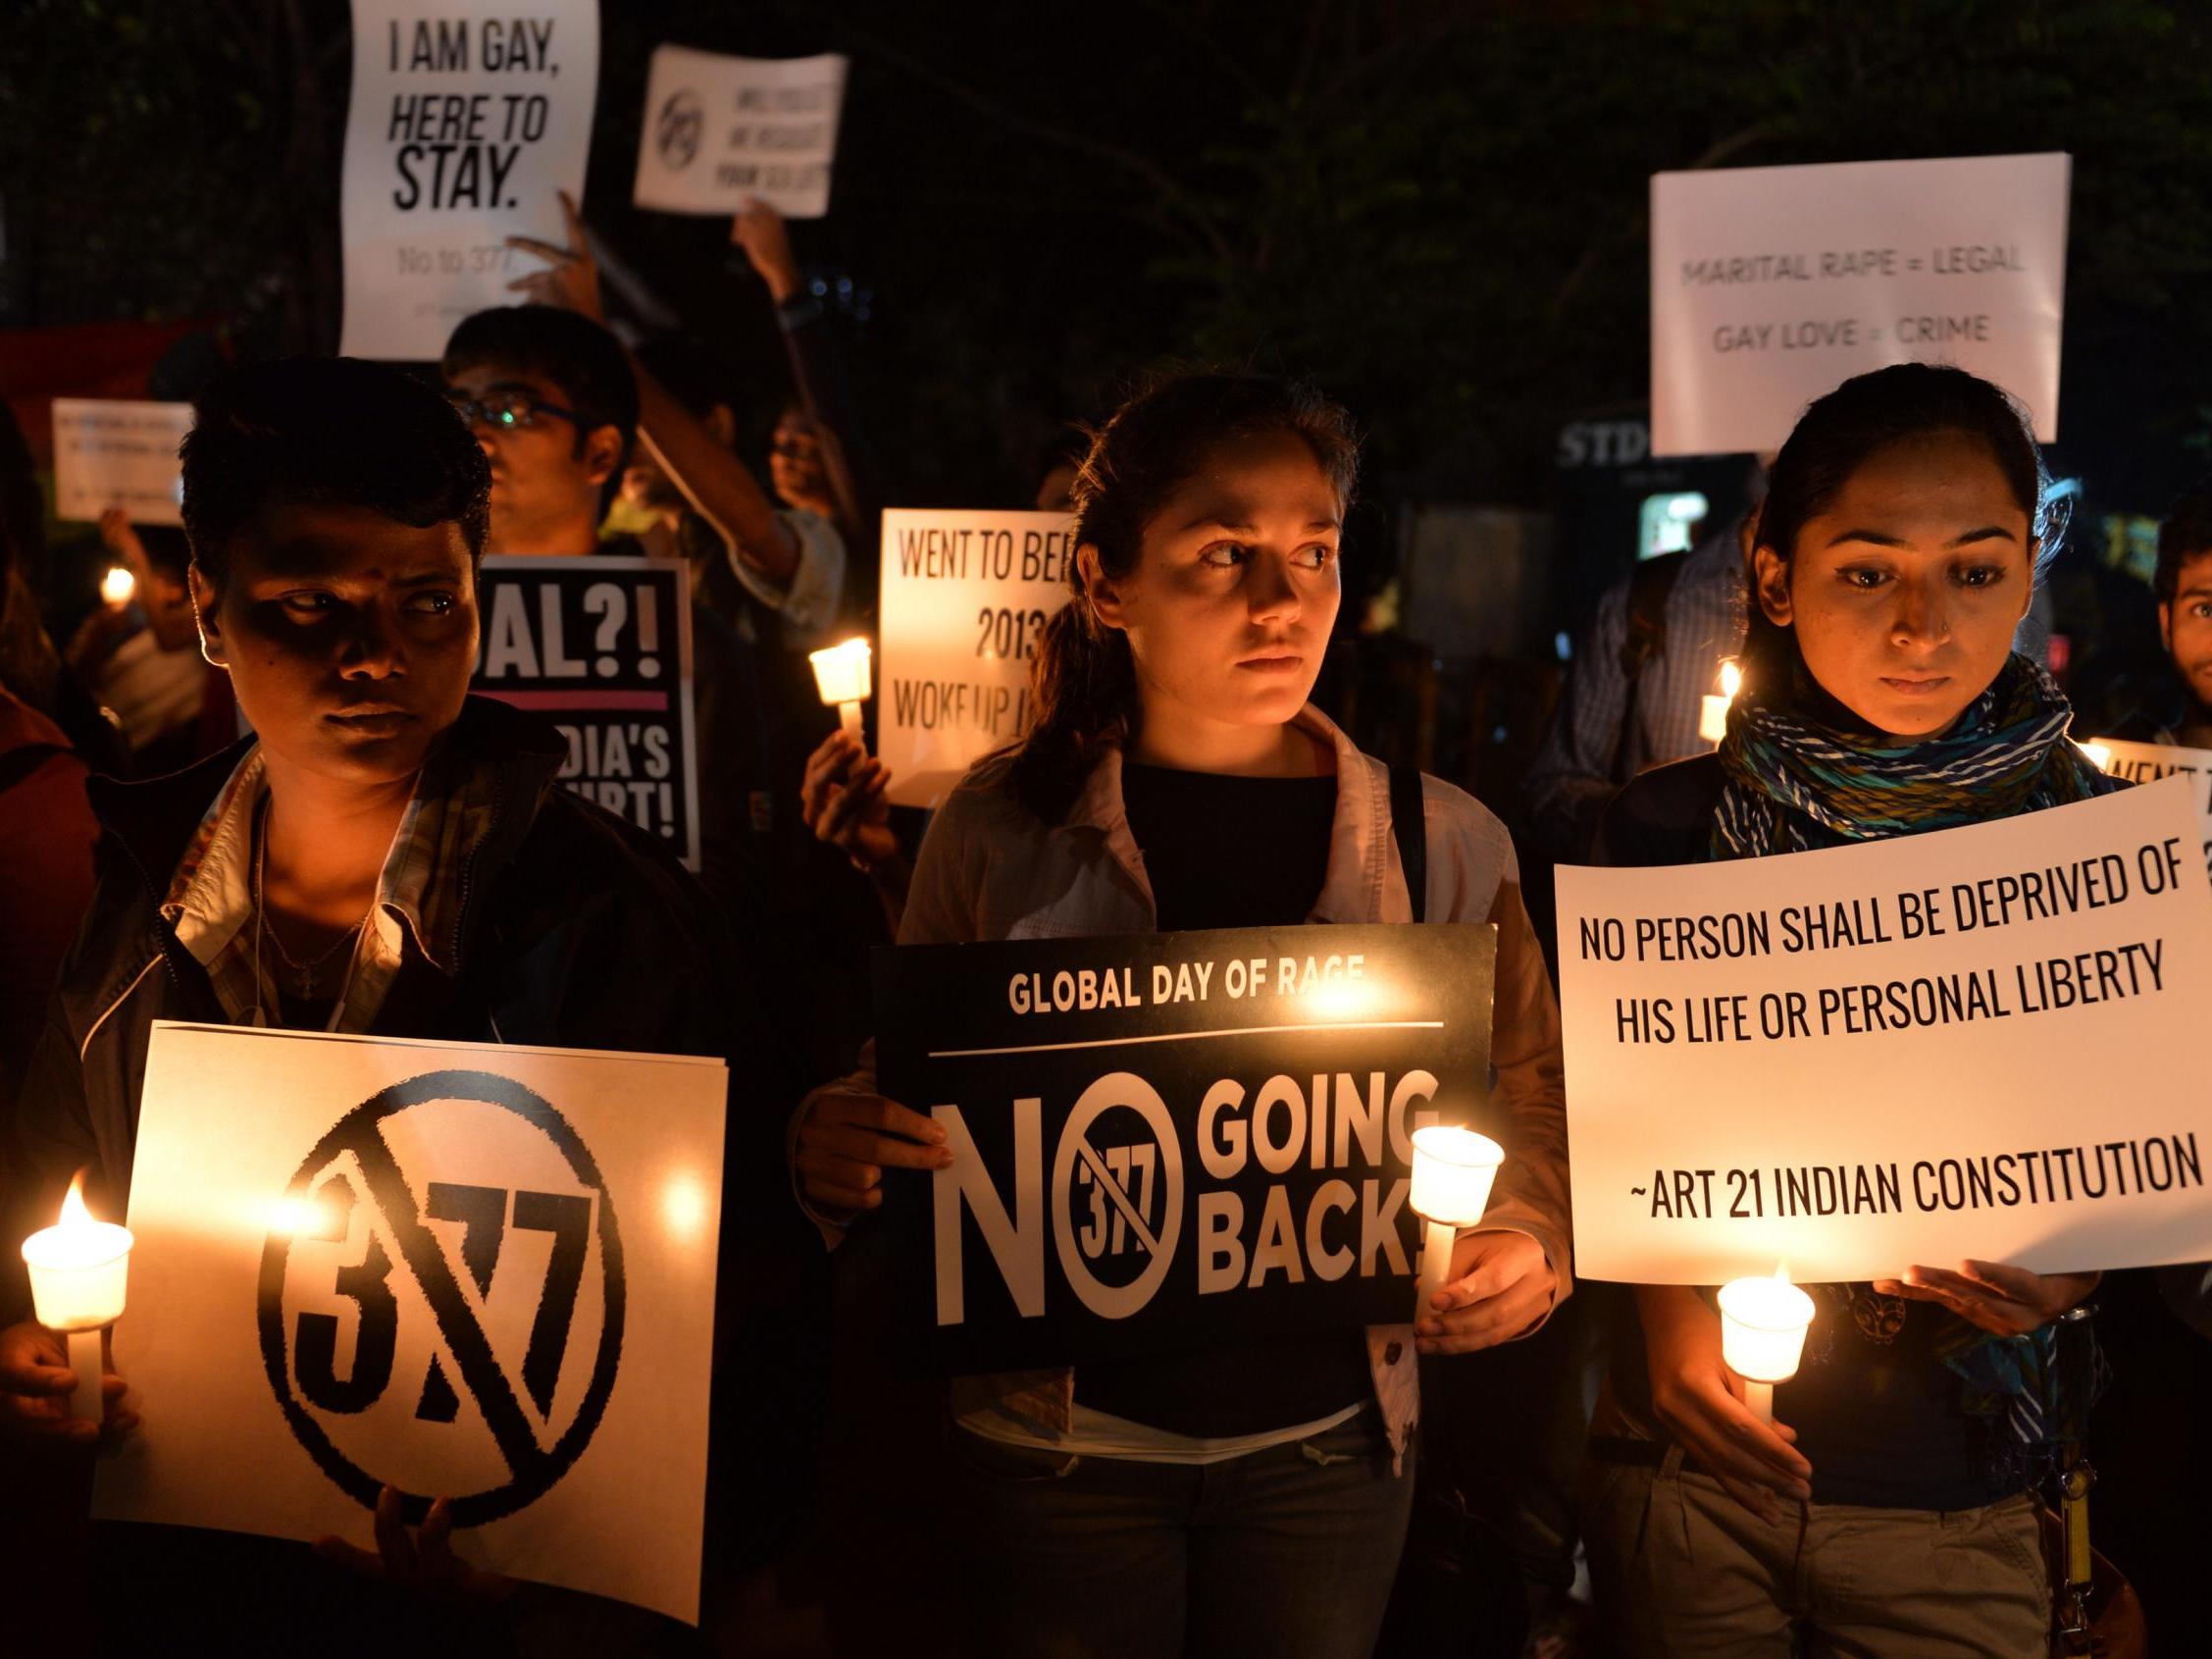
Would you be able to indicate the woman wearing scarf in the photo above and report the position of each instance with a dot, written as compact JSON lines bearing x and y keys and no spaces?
{"x":1886,"y":1510}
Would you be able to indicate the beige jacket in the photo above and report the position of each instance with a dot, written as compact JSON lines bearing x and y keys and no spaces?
{"x":990,"y":870}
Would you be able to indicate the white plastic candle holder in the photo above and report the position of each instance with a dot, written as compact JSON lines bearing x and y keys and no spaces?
{"x":78,"y":1269}
{"x":1763,"y":1323}
{"x":1713,"y":711}
{"x":844,"y":675}
{"x":1453,"y":1168}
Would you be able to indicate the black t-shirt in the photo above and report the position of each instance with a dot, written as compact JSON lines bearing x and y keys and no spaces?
{"x":1224,"y":852}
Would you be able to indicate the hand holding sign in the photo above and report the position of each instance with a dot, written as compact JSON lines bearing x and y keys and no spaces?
{"x":421,"y":1561}
{"x":2009,"y":1301}
{"x":845,"y":1141}
{"x":571,"y":279}
{"x":758,"y":228}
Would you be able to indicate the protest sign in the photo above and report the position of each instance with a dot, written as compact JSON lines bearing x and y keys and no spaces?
{"x":109,"y":452}
{"x":2146,"y":763}
{"x":466,"y":122}
{"x":479,"y":1272}
{"x":602,"y":645}
{"x":1972,"y":1043}
{"x":720,"y":130}
{"x":1770,"y":286}
{"x":965,"y":596}
{"x":1167,"y":1139}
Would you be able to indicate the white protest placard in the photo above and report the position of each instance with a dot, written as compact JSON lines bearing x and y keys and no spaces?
{"x":1770,"y":286}
{"x":467,"y":121}
{"x":2146,"y":763}
{"x":965,"y":599}
{"x":469,"y":1271}
{"x":114,"y":452}
{"x":719,"y":131}
{"x":1972,"y":1043}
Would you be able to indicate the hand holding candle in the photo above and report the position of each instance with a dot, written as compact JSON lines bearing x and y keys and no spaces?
{"x":118,"y":586}
{"x":77,"y":1271}
{"x":841,"y":673}
{"x":1453,"y":1169}
{"x":1762,"y":1322}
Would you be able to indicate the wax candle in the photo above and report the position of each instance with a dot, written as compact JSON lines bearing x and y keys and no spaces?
{"x":118,"y":586}
{"x":1453,"y":1168}
{"x":1763,"y":1324}
{"x":842,"y":675}
{"x":78,"y":1269}
{"x":1713,"y":711}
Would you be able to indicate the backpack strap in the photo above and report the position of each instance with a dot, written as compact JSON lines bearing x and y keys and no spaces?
{"x":1409,"y":826}
{"x":1649,"y":586}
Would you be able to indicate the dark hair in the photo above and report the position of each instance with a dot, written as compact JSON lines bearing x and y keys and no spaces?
{"x":1083,"y":681}
{"x":1839,"y":433}
{"x":332,"y":431}
{"x":577,"y":355}
{"x":167,"y":550}
{"x":2184,"y":534}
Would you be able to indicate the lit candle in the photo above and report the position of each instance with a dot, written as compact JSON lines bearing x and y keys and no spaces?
{"x":842,"y":674}
{"x":78,"y":1271}
{"x":1713,"y":711}
{"x":1453,"y":1169}
{"x":2101,"y":756}
{"x":118,"y":586}
{"x":1763,"y":1324}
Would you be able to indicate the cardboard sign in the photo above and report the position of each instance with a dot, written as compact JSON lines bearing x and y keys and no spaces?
{"x":1166,"y":1140}
{"x":602,"y":645}
{"x":471,"y":1270}
{"x":113,"y":453}
{"x":965,"y":599}
{"x":1770,"y":286}
{"x":1964,"y":1044}
{"x":467,"y":121}
{"x":721,"y":130}
{"x":2146,"y":763}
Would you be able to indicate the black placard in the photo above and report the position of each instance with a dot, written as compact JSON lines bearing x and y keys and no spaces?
{"x":1133,"y":1121}
{"x":602,"y":647}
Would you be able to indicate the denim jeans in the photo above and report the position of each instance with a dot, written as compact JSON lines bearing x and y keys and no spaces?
{"x":1288,"y":1552}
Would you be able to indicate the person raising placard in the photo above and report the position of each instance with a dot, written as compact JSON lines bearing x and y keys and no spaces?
{"x":387,"y":854}
{"x":1886,"y":1510}
{"x":1236,"y":1496}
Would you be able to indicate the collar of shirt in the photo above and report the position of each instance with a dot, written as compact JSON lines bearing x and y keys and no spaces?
{"x":1353,"y":891}
{"x":210,"y":901}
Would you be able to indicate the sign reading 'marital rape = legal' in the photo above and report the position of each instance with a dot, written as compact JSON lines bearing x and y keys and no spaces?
{"x":1164,"y":1139}
{"x":1964,"y":1044}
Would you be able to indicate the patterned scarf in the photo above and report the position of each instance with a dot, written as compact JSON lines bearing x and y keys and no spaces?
{"x":1796,"y":783}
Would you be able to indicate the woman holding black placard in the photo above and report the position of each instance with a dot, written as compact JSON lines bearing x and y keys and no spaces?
{"x":1886,"y":1510}
{"x":1246,"y":1497}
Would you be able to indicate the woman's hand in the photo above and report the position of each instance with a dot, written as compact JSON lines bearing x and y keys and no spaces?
{"x":421,"y":1561}
{"x":35,"y":1383}
{"x":1700,"y":1401}
{"x":1500,"y":1285}
{"x":2010,"y":1301}
{"x":842,"y":798}
{"x":846,"y":1142}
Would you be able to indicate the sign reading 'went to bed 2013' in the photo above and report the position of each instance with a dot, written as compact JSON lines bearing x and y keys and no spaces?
{"x":1969,"y":1044}
{"x":1168,"y":1139}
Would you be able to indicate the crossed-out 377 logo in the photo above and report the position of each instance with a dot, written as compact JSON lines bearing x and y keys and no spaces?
{"x":442,"y":1306}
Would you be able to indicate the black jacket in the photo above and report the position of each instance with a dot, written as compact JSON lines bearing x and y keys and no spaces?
{"x":1662,"y":815}
{"x":576,"y":930}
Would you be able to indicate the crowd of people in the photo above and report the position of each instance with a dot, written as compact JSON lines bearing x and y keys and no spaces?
{"x":383,"y":852}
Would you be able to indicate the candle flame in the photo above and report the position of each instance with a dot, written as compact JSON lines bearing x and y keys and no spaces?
{"x":1781,"y":1273}
{"x":2100,"y":757}
{"x":118,"y":586}
{"x":73,"y":1213}
{"x":1732,"y":680}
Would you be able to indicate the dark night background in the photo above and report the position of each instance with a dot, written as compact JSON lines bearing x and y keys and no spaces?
{"x":1437,"y":209}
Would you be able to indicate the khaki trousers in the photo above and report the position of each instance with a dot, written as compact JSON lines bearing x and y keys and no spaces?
{"x":1682,"y":1569}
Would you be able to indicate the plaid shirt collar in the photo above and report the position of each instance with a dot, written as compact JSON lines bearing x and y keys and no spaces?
{"x":210,"y":901}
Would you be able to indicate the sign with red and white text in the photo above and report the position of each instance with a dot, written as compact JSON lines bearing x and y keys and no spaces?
{"x":467,"y":121}
{"x":965,"y":599}
{"x":1770,"y":286}
{"x":1965,"y":1044}
{"x":468,"y":1271}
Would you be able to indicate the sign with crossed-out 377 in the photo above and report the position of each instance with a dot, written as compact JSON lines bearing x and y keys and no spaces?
{"x":474,"y":1271}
